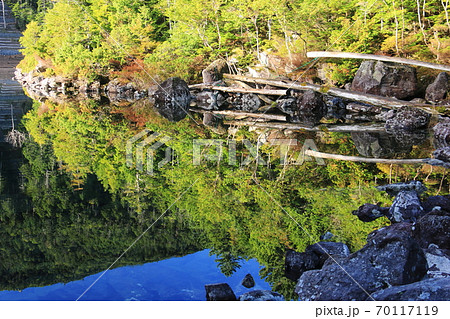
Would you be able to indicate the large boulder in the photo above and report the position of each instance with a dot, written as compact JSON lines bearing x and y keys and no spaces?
{"x":309,"y":108}
{"x":295,"y":263}
{"x":407,"y":118}
{"x":442,"y":133}
{"x":325,"y":249}
{"x":438,"y":262}
{"x":433,"y":228}
{"x":384,"y":145}
{"x":406,"y":207}
{"x":442,"y":154}
{"x":219,"y":292}
{"x":261,"y":295}
{"x":215,"y":71}
{"x":386,"y":79}
{"x":434,"y":289}
{"x":391,"y":257}
{"x":440,"y":202}
{"x":437,"y":91}
{"x":172,"y":99}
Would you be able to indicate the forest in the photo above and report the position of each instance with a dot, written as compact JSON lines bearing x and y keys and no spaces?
{"x":146,"y":40}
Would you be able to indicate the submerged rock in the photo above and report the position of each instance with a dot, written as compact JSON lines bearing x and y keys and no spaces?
{"x":408,"y":118}
{"x":261,"y":295}
{"x":437,"y":91}
{"x":172,"y":99}
{"x":386,"y":79}
{"x":219,"y":292}
{"x":248,"y":281}
{"x":391,"y":257}
{"x":434,"y":289}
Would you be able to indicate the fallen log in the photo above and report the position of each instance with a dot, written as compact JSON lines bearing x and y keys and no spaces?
{"x":237,"y":90}
{"x":365,"y":159}
{"x":374,"y":128}
{"x":230,"y":113}
{"x":349,"y":55}
{"x":376,"y":100}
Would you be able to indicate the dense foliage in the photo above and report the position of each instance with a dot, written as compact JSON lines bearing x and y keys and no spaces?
{"x":92,"y":37}
{"x":243,"y":211}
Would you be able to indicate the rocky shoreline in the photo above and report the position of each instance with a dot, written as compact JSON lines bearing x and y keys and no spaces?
{"x":406,"y":261}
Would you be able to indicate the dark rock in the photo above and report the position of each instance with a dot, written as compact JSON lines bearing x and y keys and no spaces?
{"x":248,"y":281}
{"x":377,"y":145}
{"x":287,"y":105}
{"x":219,"y":292}
{"x":246,"y":102}
{"x":325,"y":249}
{"x":327,"y":236}
{"x":440,"y":202}
{"x":370,"y":212}
{"x":390,"y":258}
{"x":434,"y":289}
{"x":437,"y":90}
{"x":215,"y":71}
{"x":310,"y":108}
{"x":442,"y":133}
{"x":207,"y":100}
{"x":433,"y":228}
{"x":442,"y":154}
{"x":363,"y":108}
{"x":172,"y":99}
{"x":408,"y":118}
{"x":295,"y":264}
{"x":406,"y":207}
{"x":209,"y":119}
{"x":394,"y":189}
{"x":261,"y":295}
{"x":386,"y":79}
{"x":438,"y":262}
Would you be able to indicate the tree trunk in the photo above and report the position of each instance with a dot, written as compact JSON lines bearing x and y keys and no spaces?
{"x":349,"y":55}
{"x":364,"y":159}
{"x":3,"y":13}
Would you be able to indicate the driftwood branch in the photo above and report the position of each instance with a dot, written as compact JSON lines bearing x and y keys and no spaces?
{"x":374,"y":128}
{"x":376,"y":100}
{"x":349,"y":55}
{"x":364,"y":159}
{"x":239,"y":114}
{"x":237,"y":90}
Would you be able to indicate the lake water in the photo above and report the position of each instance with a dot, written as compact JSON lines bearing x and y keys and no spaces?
{"x":75,"y":196}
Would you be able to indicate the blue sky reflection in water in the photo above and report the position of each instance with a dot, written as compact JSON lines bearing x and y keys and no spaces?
{"x":179,"y":278}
